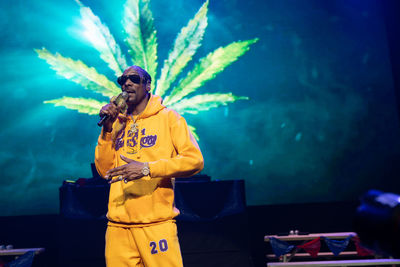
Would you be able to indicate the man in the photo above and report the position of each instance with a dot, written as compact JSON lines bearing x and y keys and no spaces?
{"x":140,"y":152}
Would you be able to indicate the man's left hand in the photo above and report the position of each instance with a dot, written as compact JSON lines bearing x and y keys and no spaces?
{"x":128,"y":172}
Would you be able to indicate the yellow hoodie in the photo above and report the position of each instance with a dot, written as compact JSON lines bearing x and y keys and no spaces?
{"x":165,"y":142}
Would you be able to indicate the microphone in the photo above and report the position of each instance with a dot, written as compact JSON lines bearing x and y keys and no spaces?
{"x":119,"y":102}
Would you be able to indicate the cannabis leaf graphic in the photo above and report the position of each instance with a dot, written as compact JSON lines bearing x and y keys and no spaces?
{"x":141,"y":40}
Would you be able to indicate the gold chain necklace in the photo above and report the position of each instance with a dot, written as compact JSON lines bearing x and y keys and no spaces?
{"x":135,"y":127}
{"x":131,"y":132}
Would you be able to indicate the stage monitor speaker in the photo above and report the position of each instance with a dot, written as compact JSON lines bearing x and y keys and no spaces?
{"x":213,"y":224}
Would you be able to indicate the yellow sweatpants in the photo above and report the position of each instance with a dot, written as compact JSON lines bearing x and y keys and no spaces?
{"x":151,"y":246}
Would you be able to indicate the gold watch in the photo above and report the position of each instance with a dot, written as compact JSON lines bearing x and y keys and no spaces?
{"x":146,"y":169}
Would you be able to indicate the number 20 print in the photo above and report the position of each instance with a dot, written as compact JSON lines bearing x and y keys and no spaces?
{"x":162,"y":245}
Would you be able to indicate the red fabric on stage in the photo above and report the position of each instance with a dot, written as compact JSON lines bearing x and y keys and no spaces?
{"x":361,"y":250}
{"x":312,"y":247}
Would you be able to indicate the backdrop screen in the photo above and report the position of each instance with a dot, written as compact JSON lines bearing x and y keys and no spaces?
{"x":294,"y":97}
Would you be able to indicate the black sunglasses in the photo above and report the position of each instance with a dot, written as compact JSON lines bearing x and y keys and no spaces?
{"x":134,"y":78}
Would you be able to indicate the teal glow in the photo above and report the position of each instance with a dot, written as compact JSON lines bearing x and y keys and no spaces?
{"x":319,"y":122}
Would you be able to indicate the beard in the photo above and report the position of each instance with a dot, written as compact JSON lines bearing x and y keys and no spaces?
{"x":135,"y":99}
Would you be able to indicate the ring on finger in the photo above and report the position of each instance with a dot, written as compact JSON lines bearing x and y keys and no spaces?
{"x":120,"y":178}
{"x":126,"y":180}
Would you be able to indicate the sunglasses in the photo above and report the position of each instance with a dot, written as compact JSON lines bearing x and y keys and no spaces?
{"x":134,"y":78}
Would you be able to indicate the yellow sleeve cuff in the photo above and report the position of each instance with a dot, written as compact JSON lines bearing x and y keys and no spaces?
{"x":105,"y":136}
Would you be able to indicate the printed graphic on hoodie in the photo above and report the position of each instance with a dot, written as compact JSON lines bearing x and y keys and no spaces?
{"x":132,"y":141}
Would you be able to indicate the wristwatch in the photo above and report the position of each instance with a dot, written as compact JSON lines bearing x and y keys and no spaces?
{"x":146,"y":169}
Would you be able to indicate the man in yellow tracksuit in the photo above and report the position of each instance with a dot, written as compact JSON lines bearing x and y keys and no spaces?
{"x":141,"y":152}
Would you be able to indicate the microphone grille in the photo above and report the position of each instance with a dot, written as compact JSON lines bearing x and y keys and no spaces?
{"x":124,"y":95}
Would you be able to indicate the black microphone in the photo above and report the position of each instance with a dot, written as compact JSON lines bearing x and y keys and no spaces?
{"x":119,"y":102}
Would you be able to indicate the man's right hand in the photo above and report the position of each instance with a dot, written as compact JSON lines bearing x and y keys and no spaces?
{"x":112,"y":111}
